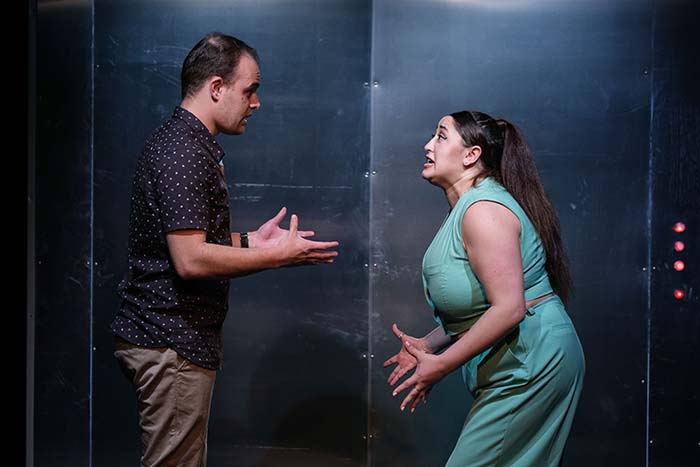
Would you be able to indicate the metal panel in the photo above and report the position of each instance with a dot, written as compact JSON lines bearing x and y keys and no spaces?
{"x":63,"y":234}
{"x":675,"y":167}
{"x":293,"y":390}
{"x":300,"y":344}
{"x":573,"y":76}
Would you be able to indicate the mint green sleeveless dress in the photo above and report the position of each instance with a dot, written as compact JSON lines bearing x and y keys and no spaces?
{"x":527,"y":386}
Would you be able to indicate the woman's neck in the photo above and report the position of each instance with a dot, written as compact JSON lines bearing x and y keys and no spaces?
{"x":458,"y":188}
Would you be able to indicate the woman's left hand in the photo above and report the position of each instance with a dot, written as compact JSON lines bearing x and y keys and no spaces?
{"x":429,"y":370}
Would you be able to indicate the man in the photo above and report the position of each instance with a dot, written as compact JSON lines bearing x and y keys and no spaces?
{"x":182,"y":253}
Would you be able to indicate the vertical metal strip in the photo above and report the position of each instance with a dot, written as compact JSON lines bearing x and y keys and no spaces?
{"x":650,"y":212}
{"x":31,"y":225}
{"x":370,"y":252}
{"x":91,"y":289}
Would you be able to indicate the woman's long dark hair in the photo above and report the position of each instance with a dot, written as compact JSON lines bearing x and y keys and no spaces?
{"x":507,"y":158}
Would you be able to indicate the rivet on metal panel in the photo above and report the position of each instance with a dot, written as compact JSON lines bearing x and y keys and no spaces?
{"x":646,"y":72}
{"x":364,"y":436}
{"x":87,"y":263}
{"x":376,"y":84}
{"x":644,"y":268}
{"x":365,"y":84}
{"x":366,"y":265}
{"x":364,"y":355}
{"x":643,"y":381}
{"x":366,"y":174}
{"x":375,"y":265}
{"x":371,"y":355}
{"x":374,"y":172}
{"x":651,"y":441}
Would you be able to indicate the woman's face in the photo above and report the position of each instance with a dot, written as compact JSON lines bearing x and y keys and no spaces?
{"x":445,"y":154}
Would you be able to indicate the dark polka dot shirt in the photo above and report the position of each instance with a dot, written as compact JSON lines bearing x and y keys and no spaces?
{"x":178,"y":184}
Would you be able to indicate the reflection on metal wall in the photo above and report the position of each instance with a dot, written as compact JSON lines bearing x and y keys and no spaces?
{"x":351,"y":91}
{"x":572,"y":75}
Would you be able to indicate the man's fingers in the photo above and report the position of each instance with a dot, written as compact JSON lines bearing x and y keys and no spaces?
{"x":321,"y":245}
{"x":323,"y":256}
{"x":293,"y":225}
{"x":279,"y":216}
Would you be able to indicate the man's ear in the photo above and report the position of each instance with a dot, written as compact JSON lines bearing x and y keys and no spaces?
{"x":215,"y":85}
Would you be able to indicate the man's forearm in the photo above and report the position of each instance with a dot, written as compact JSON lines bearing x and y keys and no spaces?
{"x":209,"y":260}
{"x":223,"y":261}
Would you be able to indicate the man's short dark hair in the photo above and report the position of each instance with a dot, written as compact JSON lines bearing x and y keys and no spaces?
{"x":216,"y":54}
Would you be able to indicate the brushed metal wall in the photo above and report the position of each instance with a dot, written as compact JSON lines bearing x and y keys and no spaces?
{"x":574,"y":77}
{"x":351,"y":90}
{"x":294,"y":382}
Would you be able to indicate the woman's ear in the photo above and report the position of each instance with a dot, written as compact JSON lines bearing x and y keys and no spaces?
{"x":471,"y":155}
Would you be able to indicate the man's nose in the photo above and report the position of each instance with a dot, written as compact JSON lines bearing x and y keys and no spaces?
{"x":255,"y":102}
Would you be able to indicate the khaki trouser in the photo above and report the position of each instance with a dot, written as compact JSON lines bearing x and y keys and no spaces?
{"x":174,"y":398}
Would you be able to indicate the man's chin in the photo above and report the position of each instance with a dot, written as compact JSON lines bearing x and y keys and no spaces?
{"x":236,"y":131}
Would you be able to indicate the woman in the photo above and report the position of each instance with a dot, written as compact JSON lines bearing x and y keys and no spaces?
{"x":496,"y":278}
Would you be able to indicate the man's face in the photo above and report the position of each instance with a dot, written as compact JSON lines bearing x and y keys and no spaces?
{"x":239,"y":98}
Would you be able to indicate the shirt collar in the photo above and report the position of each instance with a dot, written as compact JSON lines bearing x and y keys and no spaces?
{"x":201,"y":131}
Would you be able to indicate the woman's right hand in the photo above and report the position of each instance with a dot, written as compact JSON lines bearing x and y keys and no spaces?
{"x":405,"y":362}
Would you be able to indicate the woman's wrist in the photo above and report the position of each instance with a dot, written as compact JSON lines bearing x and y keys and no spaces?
{"x":436,"y":340}
{"x":424,"y":345}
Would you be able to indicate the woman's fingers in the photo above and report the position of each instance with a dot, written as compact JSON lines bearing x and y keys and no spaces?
{"x":397,"y":332}
{"x":396,"y":375}
{"x":422,"y":397}
{"x":391,"y":361}
{"x":411,"y":396}
{"x":405,"y":385}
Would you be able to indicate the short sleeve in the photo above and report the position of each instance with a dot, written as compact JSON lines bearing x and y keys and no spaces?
{"x":184,"y":188}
